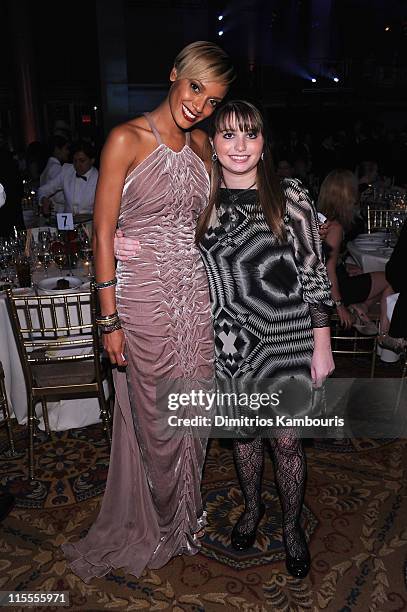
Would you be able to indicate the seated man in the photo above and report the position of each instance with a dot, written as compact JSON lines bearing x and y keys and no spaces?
{"x":78,"y":182}
{"x":59,"y":147}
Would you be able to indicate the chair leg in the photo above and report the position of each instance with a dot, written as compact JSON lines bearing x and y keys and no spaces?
{"x":402,"y":384}
{"x":6,"y":412}
{"x":372,"y":369}
{"x":7,"y":418}
{"x":31,"y":424}
{"x":45,"y":416}
{"x":104,"y":415}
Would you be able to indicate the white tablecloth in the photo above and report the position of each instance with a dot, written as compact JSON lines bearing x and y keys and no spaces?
{"x":65,"y":414}
{"x":370,"y":260}
{"x":371,"y":256}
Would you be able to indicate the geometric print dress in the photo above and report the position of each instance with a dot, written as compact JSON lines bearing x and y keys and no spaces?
{"x":266,"y":296}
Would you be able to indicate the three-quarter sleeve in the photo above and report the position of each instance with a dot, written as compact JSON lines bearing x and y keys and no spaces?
{"x":302,"y":223}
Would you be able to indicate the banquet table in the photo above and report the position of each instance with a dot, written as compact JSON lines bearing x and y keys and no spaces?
{"x":371,"y":254}
{"x":370,"y":251}
{"x":64,"y":414}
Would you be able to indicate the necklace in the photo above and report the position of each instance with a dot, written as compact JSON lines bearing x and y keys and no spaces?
{"x":235,"y":196}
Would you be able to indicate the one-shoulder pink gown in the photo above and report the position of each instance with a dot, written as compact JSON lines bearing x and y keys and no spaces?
{"x":152,"y":504}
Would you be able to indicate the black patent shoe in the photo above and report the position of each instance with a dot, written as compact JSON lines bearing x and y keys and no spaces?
{"x":6,"y":504}
{"x":298,"y":566}
{"x":243,"y":541}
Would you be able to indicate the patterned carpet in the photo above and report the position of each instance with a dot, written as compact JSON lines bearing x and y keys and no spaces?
{"x":355,"y":520}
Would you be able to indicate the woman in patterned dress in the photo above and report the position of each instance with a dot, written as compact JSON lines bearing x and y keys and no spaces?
{"x":153,"y":184}
{"x":270,"y":299}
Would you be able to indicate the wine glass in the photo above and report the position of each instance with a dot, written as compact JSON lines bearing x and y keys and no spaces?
{"x":59,"y":256}
{"x":43,"y":236}
{"x":44,"y":256}
{"x":85,"y":250}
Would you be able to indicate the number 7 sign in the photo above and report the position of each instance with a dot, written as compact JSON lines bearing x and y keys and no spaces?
{"x":65,"y":221}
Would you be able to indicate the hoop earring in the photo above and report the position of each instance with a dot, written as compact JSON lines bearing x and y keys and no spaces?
{"x":214,"y":156}
{"x":262,"y":156}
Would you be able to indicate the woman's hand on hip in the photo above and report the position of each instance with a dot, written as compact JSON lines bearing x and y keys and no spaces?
{"x":114,"y":344}
{"x":125,"y":248}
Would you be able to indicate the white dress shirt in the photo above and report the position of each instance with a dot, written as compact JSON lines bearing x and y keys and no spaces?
{"x":2,"y":195}
{"x":79,"y":194}
{"x":51,"y":171}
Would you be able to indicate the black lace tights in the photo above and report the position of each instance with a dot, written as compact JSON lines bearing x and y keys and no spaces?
{"x":290,"y":474}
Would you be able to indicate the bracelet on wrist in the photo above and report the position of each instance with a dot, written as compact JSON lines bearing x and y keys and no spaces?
{"x":106,"y":284}
{"x":108,"y":329}
{"x":108,"y":322}
{"x":102,"y":318}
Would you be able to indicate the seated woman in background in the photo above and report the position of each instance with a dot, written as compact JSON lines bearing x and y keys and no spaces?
{"x":353,"y":295}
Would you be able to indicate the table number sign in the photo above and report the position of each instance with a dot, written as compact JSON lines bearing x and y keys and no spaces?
{"x":65,"y":221}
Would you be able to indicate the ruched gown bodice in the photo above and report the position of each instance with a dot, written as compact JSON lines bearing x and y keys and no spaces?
{"x":164,"y":289}
{"x":152,"y":505}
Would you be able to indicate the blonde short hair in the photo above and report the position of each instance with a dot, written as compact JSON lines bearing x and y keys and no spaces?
{"x":204,"y":61}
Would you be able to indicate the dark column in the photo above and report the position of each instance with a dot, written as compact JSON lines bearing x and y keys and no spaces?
{"x":112,"y":62}
{"x":320,"y":40}
{"x":18,"y":11}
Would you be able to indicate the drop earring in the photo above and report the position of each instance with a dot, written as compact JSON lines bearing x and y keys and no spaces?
{"x":262,"y":156}
{"x":214,"y":156}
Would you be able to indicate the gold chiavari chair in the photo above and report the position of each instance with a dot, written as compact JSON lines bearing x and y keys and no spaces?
{"x":351,"y":342}
{"x":378,"y":219}
{"x":60,"y":352}
{"x":6,"y":412}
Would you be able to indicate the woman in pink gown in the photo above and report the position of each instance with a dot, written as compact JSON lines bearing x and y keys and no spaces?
{"x":154,"y":184}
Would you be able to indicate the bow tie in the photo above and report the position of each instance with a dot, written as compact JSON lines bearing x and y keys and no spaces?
{"x":84,"y":178}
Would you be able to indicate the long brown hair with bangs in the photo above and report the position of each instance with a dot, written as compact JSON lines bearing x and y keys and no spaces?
{"x":247,"y":118}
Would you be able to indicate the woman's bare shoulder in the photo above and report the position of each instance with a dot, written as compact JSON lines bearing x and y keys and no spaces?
{"x":200,"y":145}
{"x":135,"y":131}
{"x":335,"y":233}
{"x":131,"y":140}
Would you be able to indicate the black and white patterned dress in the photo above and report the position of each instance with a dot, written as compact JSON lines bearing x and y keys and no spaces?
{"x":266,"y":297}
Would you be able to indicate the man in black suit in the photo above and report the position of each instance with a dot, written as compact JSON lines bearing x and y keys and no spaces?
{"x":396,"y":339}
{"x":11,"y":214}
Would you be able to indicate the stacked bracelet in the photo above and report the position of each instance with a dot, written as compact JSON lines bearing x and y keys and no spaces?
{"x":102,"y":319}
{"x":106,"y":284}
{"x":108,"y":329}
{"x":108,"y":323}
